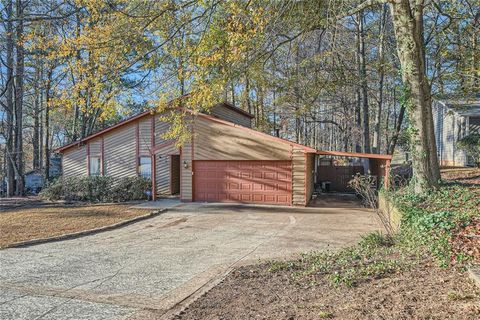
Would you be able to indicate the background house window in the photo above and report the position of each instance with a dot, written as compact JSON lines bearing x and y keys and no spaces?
{"x":145,"y":167}
{"x":94,"y":166}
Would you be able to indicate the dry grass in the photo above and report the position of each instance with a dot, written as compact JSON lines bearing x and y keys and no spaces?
{"x":41,"y":221}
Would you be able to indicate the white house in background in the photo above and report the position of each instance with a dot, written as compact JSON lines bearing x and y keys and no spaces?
{"x":453,"y":120}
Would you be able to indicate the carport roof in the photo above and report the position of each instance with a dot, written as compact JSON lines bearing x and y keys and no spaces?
{"x":355,"y":155}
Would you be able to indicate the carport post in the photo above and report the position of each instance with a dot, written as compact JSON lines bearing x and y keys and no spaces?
{"x":386,"y":180}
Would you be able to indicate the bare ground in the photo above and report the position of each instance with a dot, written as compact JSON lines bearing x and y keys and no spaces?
{"x":422,"y":292}
{"x":22,"y":220}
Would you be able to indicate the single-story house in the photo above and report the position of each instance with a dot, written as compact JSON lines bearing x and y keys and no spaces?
{"x":453,"y":120}
{"x":225,"y":161}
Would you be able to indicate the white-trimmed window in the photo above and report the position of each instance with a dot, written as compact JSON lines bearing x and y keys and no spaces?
{"x":145,"y":167}
{"x":94,"y":166}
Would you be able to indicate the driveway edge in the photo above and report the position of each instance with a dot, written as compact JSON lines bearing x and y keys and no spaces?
{"x":68,"y":236}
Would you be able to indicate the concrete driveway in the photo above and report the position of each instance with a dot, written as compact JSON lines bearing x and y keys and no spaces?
{"x":142,"y":270}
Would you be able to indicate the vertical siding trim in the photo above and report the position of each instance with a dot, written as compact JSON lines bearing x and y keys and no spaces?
{"x":191,"y":163}
{"x":88,"y":159}
{"x":181,"y":169}
{"x":292,"y":171}
{"x":154,"y":176}
{"x":171,"y":176}
{"x":102,"y":163}
{"x":137,"y":145}
{"x":153,"y":170}
{"x":152,"y":131}
{"x":305,"y":183}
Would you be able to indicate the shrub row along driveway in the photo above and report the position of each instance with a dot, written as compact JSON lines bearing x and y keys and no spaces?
{"x":139,"y":271}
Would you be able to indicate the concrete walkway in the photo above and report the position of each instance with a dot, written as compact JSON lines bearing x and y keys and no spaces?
{"x":166,"y":203}
{"x":142,"y":270}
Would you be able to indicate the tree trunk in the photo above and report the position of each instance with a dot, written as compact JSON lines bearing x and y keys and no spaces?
{"x":398,"y":128}
{"x":9,"y":150}
{"x":476,"y":54}
{"x":377,"y":143}
{"x":247,"y":94}
{"x":47,"y":124}
{"x":20,"y":66}
{"x":364,"y":88}
{"x":36,"y":119}
{"x":419,"y":106}
{"x":358,"y":105}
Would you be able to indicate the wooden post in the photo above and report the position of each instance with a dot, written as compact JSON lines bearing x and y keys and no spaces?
{"x":386,"y":180}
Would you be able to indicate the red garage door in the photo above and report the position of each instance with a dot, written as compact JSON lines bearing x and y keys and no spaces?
{"x":243,"y":181}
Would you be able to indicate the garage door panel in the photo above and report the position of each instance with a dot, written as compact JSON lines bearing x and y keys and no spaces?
{"x":258,"y":198}
{"x":245,"y":186}
{"x":270,"y":198}
{"x":243,"y":181}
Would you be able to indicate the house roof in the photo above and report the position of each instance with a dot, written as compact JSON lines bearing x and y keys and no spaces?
{"x":355,"y":155}
{"x":133,"y":118}
{"x":258,"y":133}
{"x":306,"y":149}
{"x":94,"y":135}
{"x":465,"y":107}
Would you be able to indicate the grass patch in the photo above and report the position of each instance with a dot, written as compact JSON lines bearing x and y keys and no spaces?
{"x":325,"y":315}
{"x":374,"y":257}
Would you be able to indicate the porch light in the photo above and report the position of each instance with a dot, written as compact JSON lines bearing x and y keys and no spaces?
{"x":185,"y":164}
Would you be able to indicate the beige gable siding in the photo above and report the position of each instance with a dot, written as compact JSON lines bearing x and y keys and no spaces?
{"x":145,"y":136}
{"x":186,"y":173}
{"x":228,"y":114}
{"x":160,"y":128}
{"x":298,"y":177}
{"x":120,"y":152}
{"x":217,"y":141}
{"x":74,"y":162}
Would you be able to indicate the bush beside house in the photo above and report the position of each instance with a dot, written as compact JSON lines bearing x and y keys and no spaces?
{"x":97,"y":189}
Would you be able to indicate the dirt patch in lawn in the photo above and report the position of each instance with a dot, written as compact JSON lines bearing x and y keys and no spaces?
{"x":27,"y":222}
{"x":424,"y":292}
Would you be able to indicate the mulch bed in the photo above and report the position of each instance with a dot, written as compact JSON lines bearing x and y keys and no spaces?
{"x":424,"y":291}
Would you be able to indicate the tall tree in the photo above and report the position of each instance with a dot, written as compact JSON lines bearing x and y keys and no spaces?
{"x":9,"y":104}
{"x":19,"y":91}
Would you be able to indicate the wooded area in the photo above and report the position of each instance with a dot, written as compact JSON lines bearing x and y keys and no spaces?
{"x":339,"y":75}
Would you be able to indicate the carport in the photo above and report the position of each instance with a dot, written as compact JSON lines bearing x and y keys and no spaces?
{"x":328,"y":170}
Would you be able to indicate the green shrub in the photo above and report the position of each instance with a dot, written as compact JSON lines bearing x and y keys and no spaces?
{"x":130,"y":188}
{"x":53,"y":190}
{"x":471,"y":145}
{"x":97,"y":189}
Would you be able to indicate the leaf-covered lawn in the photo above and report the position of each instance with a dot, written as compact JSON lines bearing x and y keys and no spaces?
{"x":27,"y":223}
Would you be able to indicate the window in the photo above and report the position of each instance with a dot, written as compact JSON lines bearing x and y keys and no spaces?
{"x":145,"y":167}
{"x":94,"y":166}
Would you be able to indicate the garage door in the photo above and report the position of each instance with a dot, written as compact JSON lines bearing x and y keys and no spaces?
{"x":268,"y":182}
